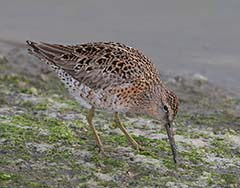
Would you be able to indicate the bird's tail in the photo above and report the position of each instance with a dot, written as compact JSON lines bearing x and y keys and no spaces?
{"x":47,"y":52}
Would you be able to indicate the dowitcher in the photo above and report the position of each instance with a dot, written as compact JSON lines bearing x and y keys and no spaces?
{"x":112,"y":77}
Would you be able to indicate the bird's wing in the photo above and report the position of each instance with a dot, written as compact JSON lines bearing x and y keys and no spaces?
{"x":99,"y":65}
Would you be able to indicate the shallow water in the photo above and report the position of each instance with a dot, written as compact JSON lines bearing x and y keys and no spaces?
{"x":180,"y":36}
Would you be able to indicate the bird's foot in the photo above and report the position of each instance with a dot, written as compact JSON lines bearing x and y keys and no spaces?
{"x":136,"y":146}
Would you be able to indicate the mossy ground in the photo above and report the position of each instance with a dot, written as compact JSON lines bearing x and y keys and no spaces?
{"x":45,"y":140}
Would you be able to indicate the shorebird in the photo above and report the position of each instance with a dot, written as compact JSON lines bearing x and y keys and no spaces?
{"x":112,"y":77}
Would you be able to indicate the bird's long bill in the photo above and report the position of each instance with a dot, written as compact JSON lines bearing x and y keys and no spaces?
{"x":169,"y":129}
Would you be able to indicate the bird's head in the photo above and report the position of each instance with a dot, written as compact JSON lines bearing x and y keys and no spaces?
{"x":164,"y":107}
{"x":168,"y":106}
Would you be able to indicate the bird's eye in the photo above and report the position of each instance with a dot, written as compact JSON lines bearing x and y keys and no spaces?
{"x":165,"y":108}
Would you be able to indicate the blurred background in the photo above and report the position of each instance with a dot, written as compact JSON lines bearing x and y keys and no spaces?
{"x":180,"y":36}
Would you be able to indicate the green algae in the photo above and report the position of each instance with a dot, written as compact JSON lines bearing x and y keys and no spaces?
{"x":195,"y":155}
{"x":39,"y":147}
{"x":6,"y":177}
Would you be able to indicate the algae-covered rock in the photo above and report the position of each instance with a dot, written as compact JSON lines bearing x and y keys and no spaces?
{"x":45,"y":140}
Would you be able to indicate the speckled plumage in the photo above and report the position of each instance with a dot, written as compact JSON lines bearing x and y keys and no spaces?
{"x":109,"y":76}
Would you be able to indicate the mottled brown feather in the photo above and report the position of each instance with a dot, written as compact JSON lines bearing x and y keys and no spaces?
{"x":100,"y":64}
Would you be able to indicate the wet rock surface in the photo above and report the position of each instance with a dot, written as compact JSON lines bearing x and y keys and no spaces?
{"x":45,"y":140}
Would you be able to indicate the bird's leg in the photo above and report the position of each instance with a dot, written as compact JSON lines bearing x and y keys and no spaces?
{"x":89,"y":119}
{"x":124,"y":130}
